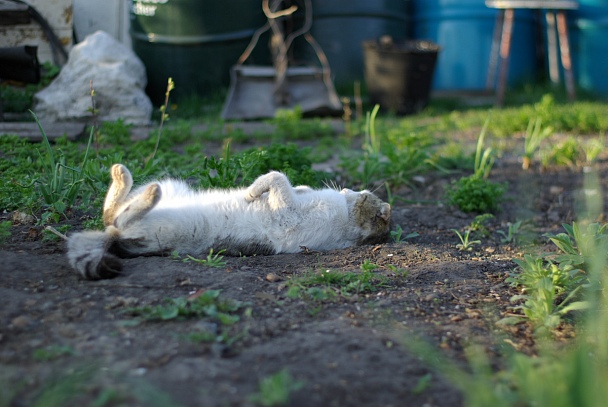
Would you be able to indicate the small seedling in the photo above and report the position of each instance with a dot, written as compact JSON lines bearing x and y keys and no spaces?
{"x":397,"y":235}
{"x":206,"y":305}
{"x":275,"y":390}
{"x":52,"y":352}
{"x":212,"y":260}
{"x":465,"y":243}
{"x":479,"y":224}
{"x":510,"y":236}
{"x":5,"y":231}
{"x":535,"y":134}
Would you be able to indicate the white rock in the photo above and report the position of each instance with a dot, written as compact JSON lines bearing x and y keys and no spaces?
{"x":119,"y":80}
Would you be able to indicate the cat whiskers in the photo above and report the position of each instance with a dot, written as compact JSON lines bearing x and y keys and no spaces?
{"x":331,"y":184}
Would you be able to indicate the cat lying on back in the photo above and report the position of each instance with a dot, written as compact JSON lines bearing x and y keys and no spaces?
{"x":269,"y":217}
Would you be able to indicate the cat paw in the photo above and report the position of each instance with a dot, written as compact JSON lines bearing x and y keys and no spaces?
{"x":152,"y":195}
{"x":121,"y":175}
{"x":250,"y":196}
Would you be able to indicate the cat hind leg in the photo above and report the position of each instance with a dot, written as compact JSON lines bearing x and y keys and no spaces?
{"x":280,"y":191}
{"x":137,"y":208}
{"x":121,"y":185}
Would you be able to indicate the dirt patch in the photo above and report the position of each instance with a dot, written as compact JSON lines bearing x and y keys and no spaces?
{"x":59,"y":333}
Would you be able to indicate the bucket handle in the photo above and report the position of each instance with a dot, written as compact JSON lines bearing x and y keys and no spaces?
{"x":286,"y":44}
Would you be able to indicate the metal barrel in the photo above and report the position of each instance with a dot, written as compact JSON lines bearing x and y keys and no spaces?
{"x":193,"y":41}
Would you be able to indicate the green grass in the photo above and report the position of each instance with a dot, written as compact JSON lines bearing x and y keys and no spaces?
{"x":54,"y":181}
{"x":275,"y":390}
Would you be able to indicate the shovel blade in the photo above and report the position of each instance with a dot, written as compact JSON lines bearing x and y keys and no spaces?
{"x":252,"y":93}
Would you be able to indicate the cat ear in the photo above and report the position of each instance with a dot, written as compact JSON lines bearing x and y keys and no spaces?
{"x":385,"y":212}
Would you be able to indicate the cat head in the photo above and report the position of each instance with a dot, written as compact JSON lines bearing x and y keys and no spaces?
{"x":371,"y":215}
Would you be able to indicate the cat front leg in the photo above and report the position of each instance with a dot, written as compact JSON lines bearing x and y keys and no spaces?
{"x":276,"y":184}
{"x":122,"y":181}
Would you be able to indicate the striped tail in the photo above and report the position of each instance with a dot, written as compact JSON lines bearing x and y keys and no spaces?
{"x":88,"y":254}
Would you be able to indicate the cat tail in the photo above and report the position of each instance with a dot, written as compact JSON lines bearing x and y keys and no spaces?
{"x":88,"y":254}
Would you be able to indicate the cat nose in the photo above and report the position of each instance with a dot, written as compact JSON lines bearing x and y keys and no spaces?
{"x":346,"y":191}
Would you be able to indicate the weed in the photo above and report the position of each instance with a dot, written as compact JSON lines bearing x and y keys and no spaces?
{"x":475,"y":193}
{"x":510,"y":235}
{"x":578,"y":245}
{"x":329,"y":284}
{"x":275,"y":390}
{"x":52,"y":352}
{"x":568,"y":153}
{"x":535,"y":134}
{"x":539,"y":306}
{"x":163,"y":118}
{"x":423,"y":383}
{"x":212,"y":260}
{"x":5,"y":231}
{"x":479,"y":224}
{"x":60,"y":184}
{"x":465,"y":243}
{"x":207,"y":304}
{"x":397,"y":234}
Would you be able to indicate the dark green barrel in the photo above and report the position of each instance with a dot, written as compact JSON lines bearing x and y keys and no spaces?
{"x":340,"y":27}
{"x":193,"y":41}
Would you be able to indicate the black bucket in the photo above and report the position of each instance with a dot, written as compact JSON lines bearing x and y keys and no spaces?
{"x":399,"y":75}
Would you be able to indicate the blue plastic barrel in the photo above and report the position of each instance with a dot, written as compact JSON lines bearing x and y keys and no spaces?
{"x":589,"y":32}
{"x":463,"y":29}
{"x":340,"y":27}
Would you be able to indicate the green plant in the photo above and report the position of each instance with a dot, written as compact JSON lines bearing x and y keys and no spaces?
{"x":60,"y":184}
{"x":580,"y":246}
{"x":567,"y":153}
{"x":479,"y":224}
{"x":510,"y":235}
{"x":465,"y":243}
{"x":475,"y":193}
{"x":540,"y":305}
{"x":53,"y":352}
{"x":5,"y":231}
{"x":397,"y":234}
{"x":212,"y":260}
{"x":535,"y":134}
{"x":327,"y":285}
{"x":275,"y":390}
{"x":207,"y":304}
{"x":163,"y":118}
{"x":484,"y":157}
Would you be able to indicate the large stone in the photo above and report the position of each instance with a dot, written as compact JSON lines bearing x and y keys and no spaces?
{"x":118,"y":77}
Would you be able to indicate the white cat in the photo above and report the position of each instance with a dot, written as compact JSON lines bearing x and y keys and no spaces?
{"x":269,"y":217}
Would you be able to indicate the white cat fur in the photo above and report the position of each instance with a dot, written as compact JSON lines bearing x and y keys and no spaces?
{"x":269,"y":217}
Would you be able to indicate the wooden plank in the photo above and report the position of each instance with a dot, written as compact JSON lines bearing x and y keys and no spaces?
{"x":30,"y":130}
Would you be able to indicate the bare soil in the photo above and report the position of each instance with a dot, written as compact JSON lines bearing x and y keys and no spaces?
{"x":59,"y":333}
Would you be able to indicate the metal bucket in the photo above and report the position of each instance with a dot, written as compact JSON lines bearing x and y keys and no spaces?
{"x":399,"y":74}
{"x":340,"y":26}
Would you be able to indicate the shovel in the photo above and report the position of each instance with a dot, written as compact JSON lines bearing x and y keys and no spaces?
{"x":257,"y":92}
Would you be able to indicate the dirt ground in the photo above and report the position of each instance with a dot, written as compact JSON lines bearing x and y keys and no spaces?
{"x":62,"y":335}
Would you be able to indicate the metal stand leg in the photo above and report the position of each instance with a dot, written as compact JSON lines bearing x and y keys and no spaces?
{"x":493,"y":64}
{"x":552,"y":47}
{"x":505,"y":49}
{"x":564,"y":48}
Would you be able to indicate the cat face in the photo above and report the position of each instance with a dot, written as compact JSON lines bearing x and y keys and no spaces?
{"x":370,"y":214}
